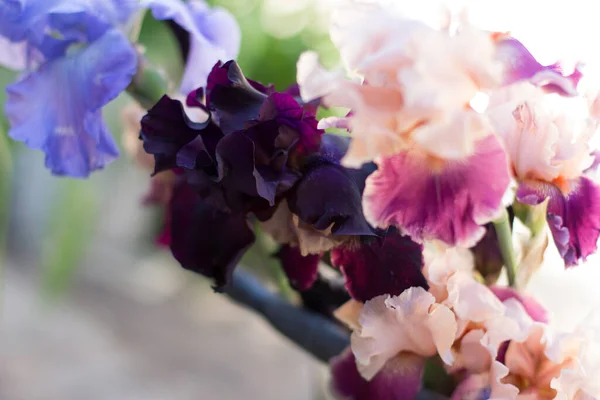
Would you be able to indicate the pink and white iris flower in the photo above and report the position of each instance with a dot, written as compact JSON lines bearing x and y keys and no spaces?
{"x":442,"y":173}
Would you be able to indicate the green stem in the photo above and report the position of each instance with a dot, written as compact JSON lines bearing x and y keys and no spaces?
{"x":534,"y":217}
{"x":148,"y":85}
{"x":504,"y":233}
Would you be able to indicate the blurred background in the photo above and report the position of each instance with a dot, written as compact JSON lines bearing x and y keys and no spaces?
{"x":93,"y":309}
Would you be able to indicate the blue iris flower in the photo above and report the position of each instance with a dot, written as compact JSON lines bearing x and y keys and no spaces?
{"x":78,"y":59}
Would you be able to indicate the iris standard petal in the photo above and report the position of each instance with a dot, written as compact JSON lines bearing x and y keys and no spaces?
{"x":214,"y":36}
{"x":175,"y":140}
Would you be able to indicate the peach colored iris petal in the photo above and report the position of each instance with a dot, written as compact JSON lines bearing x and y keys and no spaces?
{"x":558,"y":128}
{"x":315,"y":81}
{"x":501,"y":390}
{"x":349,"y":313}
{"x":471,"y":355}
{"x":416,"y":88}
{"x":454,"y":137}
{"x":483,"y":321}
{"x":410,"y":322}
{"x":441,"y":264}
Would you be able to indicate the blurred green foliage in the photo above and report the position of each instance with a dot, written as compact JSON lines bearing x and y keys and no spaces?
{"x":6,"y":156}
{"x":69,"y":230}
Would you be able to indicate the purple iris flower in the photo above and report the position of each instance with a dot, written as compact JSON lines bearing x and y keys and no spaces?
{"x":78,"y":59}
{"x":244,"y":159}
{"x":246,"y":155}
{"x":260,"y":154}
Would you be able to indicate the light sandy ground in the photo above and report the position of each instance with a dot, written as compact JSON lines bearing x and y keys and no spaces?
{"x":134,"y":326}
{"x":105,"y":343}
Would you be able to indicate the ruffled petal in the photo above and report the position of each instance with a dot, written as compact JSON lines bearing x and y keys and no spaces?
{"x":220,"y":40}
{"x":251,"y":164}
{"x":288,"y":112}
{"x":58,"y":24}
{"x":313,"y":80}
{"x":411,"y":322}
{"x":214,"y":36}
{"x":329,"y":197}
{"x":553,"y":125}
{"x":302,"y":271}
{"x":574,"y":216}
{"x":205,"y":240}
{"x":400,"y":378}
{"x":499,"y":389}
{"x":233,"y":100}
{"x":74,"y":137}
{"x":176,"y":141}
{"x":534,"y":309}
{"x":20,"y":18}
{"x":378,"y":266}
{"x":448,"y":202}
{"x":519,"y":65}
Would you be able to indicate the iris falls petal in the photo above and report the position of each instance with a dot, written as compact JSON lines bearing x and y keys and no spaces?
{"x":377,"y":266}
{"x":400,"y":378}
{"x":57,"y":108}
{"x":573,"y":216}
{"x":432,"y":199}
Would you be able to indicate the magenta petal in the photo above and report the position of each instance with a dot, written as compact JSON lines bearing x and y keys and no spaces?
{"x":574,"y":218}
{"x":534,"y":309}
{"x":519,"y":64}
{"x":379,"y":266}
{"x":449,"y":203}
{"x":301,"y":270}
{"x":400,"y":378}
